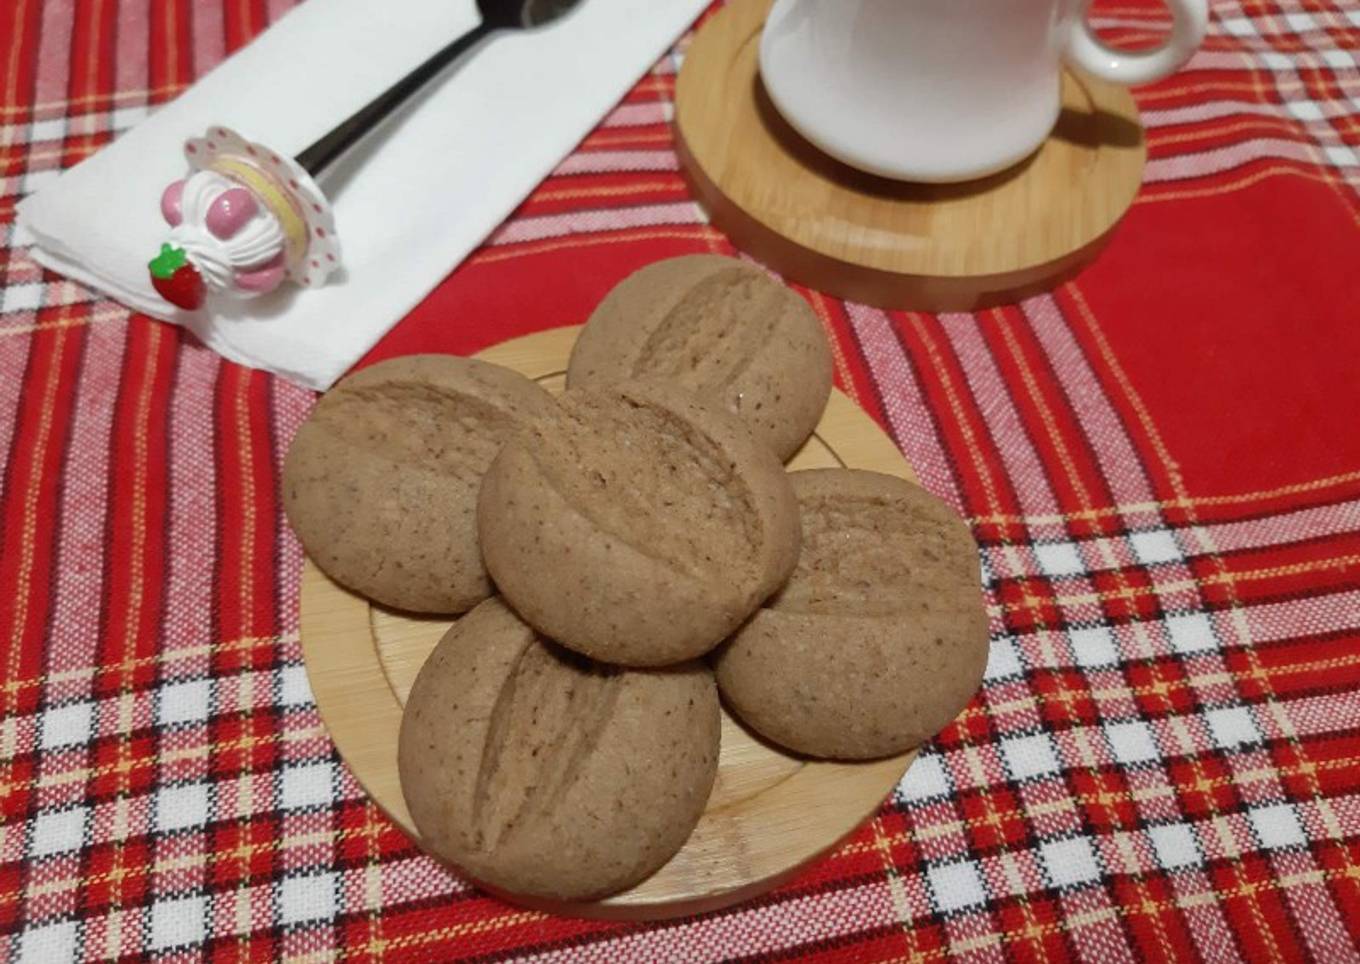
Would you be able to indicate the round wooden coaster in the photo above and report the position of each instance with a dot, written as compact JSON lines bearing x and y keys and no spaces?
{"x":952,"y":247}
{"x":770,"y":812}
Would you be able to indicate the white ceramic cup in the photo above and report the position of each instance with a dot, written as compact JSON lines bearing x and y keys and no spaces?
{"x":943,"y":90}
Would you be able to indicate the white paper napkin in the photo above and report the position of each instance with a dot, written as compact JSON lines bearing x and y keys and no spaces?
{"x":410,"y":203}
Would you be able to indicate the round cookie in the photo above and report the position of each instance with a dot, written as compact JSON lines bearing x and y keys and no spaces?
{"x":879,"y":638}
{"x":380,"y":483}
{"x":637,"y":524}
{"x":544,"y":774}
{"x":722,"y":328}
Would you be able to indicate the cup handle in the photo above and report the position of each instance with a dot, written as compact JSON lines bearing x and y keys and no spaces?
{"x":1190,"y":20}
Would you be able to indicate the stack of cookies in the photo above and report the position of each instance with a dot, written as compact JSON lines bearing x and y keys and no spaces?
{"x":624,"y":555}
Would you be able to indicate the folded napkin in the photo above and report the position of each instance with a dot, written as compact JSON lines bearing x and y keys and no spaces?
{"x":410,"y":203}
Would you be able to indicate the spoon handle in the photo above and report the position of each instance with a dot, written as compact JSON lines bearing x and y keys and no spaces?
{"x":341,"y":138}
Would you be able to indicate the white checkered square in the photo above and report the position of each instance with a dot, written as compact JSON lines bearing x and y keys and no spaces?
{"x":1277,"y":61}
{"x":1070,"y":863}
{"x":1153,"y":547}
{"x":306,"y":786}
{"x":1132,"y":742}
{"x":187,"y":702}
{"x":178,"y":922}
{"x":1341,"y":156}
{"x":925,"y":779}
{"x":179,"y":807}
{"x":21,"y":297}
{"x":294,"y":690}
{"x":1353,"y":15}
{"x":1059,"y":559}
{"x":1277,"y":826}
{"x":1304,"y":110}
{"x":1030,"y":756}
{"x":1232,"y":727}
{"x":125,"y":117}
{"x":308,"y":898}
{"x":956,"y":886}
{"x":1093,"y":646}
{"x":1340,"y":59}
{"x":1300,"y":22}
{"x":1002,"y":660}
{"x":1175,"y":846}
{"x":52,"y":129}
{"x":59,"y":831}
{"x":52,"y":944}
{"x":1191,"y":633}
{"x":69,"y":725}
{"x":1239,"y":27}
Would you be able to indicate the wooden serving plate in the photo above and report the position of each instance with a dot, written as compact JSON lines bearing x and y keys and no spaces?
{"x":948,"y":247}
{"x":770,"y":812}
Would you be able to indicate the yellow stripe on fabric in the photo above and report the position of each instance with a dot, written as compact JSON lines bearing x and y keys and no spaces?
{"x":16,"y":42}
{"x":28,"y":530}
{"x":136,"y":588}
{"x":611,"y":190}
{"x":1133,"y":508}
{"x":62,"y":106}
{"x":180,"y":654}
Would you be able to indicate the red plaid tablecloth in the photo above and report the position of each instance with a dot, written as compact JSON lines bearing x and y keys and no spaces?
{"x":1160,"y":460}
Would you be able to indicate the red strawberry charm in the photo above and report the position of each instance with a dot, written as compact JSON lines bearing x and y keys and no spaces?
{"x":176,"y":279}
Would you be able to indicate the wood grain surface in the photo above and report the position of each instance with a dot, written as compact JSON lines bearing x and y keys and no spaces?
{"x":949,"y":247}
{"x":770,"y":812}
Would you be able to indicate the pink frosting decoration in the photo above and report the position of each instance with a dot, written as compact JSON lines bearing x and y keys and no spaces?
{"x":170,"y":203}
{"x":264,"y":278}
{"x":232,"y":208}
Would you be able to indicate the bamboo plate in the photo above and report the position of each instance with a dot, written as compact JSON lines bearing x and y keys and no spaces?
{"x":950,"y":247}
{"x":770,"y":813}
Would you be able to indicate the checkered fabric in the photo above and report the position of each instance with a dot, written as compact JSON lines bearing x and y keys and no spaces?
{"x":1160,"y":461}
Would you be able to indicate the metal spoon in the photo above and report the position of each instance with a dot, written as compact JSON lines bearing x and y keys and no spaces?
{"x":496,"y":15}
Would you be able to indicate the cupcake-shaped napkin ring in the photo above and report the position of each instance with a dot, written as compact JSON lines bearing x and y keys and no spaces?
{"x":249,"y":217}
{"x":245,"y":219}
